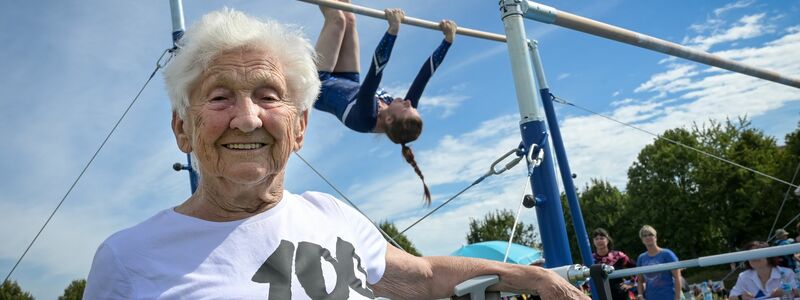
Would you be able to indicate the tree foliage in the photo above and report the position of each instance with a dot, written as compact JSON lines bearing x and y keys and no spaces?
{"x":497,"y":225}
{"x":401,"y":239}
{"x":10,"y":290}
{"x":74,"y":291}
{"x":700,"y":205}
{"x":602,"y":205}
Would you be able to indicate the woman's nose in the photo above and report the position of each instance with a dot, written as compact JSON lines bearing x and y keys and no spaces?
{"x":246,"y":116}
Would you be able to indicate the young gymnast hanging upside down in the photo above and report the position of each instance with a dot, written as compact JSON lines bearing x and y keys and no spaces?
{"x":364,"y":107}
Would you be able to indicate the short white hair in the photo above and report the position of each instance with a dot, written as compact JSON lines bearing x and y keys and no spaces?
{"x":228,"y":29}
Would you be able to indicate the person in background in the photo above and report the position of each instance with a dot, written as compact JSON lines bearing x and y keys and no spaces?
{"x":782,"y":238}
{"x":604,"y":254}
{"x":762,"y":277}
{"x":664,"y":285}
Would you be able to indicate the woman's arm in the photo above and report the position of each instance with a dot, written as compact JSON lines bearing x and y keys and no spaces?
{"x":410,"y":277}
{"x":640,"y":286}
{"x":676,"y":274}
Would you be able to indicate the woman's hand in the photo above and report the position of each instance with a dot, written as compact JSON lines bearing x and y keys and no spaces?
{"x":555,"y":287}
{"x":394,"y":16}
{"x":449,"y":28}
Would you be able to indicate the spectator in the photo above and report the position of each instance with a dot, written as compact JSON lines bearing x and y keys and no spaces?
{"x":782,"y":238}
{"x":663,"y":285}
{"x":761,"y":279}
{"x":604,"y":254}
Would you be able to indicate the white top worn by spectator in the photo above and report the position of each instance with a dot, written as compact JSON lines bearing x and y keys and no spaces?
{"x":748,"y":282}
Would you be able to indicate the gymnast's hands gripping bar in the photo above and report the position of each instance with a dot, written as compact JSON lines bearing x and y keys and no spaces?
{"x":365,"y":11}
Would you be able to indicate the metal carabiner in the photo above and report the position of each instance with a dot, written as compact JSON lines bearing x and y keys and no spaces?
{"x":169,"y":58}
{"x":508,"y":166}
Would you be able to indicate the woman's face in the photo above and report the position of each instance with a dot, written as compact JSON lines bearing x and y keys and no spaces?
{"x":600,"y":242}
{"x":401,"y":109}
{"x":648,"y":238}
{"x":758,"y":263}
{"x":240,"y":123}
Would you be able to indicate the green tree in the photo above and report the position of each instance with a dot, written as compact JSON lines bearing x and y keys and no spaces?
{"x":10,"y":290}
{"x":74,"y":291}
{"x":401,"y":239}
{"x":699,"y":204}
{"x":496,"y":226}
{"x":602,"y":205}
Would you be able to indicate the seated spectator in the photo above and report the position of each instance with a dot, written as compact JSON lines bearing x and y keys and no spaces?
{"x":762,"y":278}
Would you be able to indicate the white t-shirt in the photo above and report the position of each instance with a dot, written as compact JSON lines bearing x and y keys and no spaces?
{"x":308,"y":246}
{"x":748,"y":282}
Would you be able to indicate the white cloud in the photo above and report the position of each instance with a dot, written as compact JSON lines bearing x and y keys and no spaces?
{"x":616,"y":93}
{"x":563,"y":76}
{"x":732,"y":6}
{"x":686,"y":94}
{"x":749,"y":26}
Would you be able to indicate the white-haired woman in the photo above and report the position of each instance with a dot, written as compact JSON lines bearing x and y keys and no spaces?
{"x":240,"y":90}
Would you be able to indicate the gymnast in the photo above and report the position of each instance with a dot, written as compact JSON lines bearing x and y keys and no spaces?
{"x":364,"y":107}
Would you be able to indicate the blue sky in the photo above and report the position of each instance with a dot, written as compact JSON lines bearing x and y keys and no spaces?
{"x":70,"y":69}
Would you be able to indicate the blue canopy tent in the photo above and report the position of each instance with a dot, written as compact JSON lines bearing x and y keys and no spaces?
{"x":495,"y":250}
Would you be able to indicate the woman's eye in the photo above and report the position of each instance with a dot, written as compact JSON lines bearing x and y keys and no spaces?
{"x":218,"y":98}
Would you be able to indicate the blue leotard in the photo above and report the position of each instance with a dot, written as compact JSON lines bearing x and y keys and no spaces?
{"x":356,"y":105}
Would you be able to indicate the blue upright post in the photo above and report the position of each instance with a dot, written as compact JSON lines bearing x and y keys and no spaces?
{"x":176,"y":11}
{"x":563,"y":163}
{"x":534,"y":131}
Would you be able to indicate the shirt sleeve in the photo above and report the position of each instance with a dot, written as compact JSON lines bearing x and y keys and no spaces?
{"x":424,"y":75}
{"x":671,"y":257}
{"x":627,"y":262}
{"x":108,"y":277}
{"x":738,"y":288}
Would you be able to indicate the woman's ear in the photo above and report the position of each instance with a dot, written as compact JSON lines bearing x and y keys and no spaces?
{"x":300,"y":133}
{"x":181,"y":136}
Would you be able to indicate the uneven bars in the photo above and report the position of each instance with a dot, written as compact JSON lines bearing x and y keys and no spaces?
{"x":550,"y":15}
{"x":361,"y":10}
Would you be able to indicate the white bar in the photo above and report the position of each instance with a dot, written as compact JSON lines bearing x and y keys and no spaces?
{"x":712,"y":260}
{"x":365,"y":11}
{"x":521,"y":66}
{"x":546,"y":14}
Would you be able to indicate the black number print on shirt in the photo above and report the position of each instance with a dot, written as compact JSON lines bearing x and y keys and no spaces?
{"x":277,"y":271}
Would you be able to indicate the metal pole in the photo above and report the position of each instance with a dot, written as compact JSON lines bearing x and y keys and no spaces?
{"x":561,"y":156}
{"x":712,"y":260}
{"x":550,"y":15}
{"x":534,"y":131}
{"x":365,"y":11}
{"x":178,"y":28}
{"x":176,"y":9}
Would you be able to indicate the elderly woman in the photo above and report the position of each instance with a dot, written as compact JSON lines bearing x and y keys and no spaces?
{"x":664,"y":285}
{"x":762,"y":277}
{"x":240,"y":91}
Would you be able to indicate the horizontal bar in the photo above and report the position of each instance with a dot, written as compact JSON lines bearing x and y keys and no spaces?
{"x":361,"y":10}
{"x":550,"y":15}
{"x":712,"y":260}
